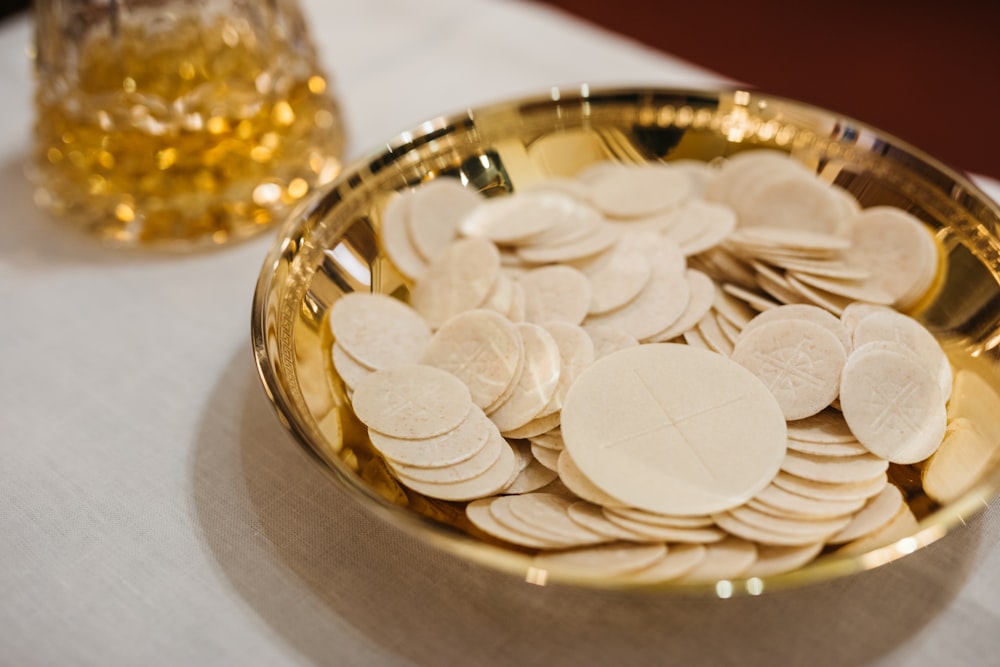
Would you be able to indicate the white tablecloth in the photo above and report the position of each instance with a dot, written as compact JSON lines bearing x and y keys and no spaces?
{"x":154,"y":512}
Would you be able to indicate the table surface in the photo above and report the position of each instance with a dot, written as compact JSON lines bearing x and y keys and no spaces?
{"x":154,"y":512}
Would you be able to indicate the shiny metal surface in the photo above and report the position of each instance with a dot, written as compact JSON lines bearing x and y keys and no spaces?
{"x":330,"y":246}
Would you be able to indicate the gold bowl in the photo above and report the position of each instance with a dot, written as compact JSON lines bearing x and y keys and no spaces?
{"x":331,"y":247}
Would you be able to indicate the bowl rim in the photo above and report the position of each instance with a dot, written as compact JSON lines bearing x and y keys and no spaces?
{"x":455,"y":542}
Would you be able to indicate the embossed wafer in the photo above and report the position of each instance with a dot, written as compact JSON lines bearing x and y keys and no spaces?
{"x":659,"y":444}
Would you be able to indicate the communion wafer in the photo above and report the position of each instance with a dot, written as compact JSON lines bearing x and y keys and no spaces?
{"x":687,"y":447}
{"x":461,"y":279}
{"x":701,"y":296}
{"x":678,"y":561}
{"x":449,"y":448}
{"x":377,"y":330}
{"x":893,"y":405}
{"x":481,"y":348}
{"x":772,"y":560}
{"x":592,"y":516}
{"x":436,"y":211}
{"x":778,"y":501}
{"x":492,"y":481}
{"x":537,"y":382}
{"x":603,"y":560}
{"x":478,"y":512}
{"x":395,"y":236}
{"x":473,"y":466}
{"x":876,"y":513}
{"x":730,"y":558}
{"x":798,"y":360}
{"x":534,"y":476}
{"x":411,"y":401}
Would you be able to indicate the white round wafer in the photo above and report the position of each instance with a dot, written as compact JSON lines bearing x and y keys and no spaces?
{"x":377,"y":330}
{"x":732,"y":309}
{"x":827,"y":426}
{"x":960,"y":461}
{"x":730,"y":558}
{"x":533,"y":476}
{"x":742,"y":170}
{"x":799,"y":361}
{"x":608,"y":338}
{"x":478,"y":512}
{"x":659,"y":305}
{"x":804,"y":312}
{"x":576,"y":352}
{"x":780,"y":501}
{"x":395,"y":236}
{"x":794,"y":202}
{"x":490,"y":482}
{"x":772,"y":560}
{"x":876,"y":513}
{"x":578,"y":483}
{"x":630,"y":191}
{"x":678,"y":561}
{"x":438,"y":207}
{"x":686,"y":447}
{"x":900,"y":526}
{"x":450,"y":448}
{"x":537,"y":382}
{"x":742,"y":529}
{"x":685,"y":535}
{"x":857,"y":311}
{"x":835,"y":303}
{"x":482,"y":349}
{"x":475,"y":465}
{"x":411,"y":401}
{"x":536,"y":426}
{"x":618,"y":279}
{"x":804,"y":527}
{"x":857,"y":290}
{"x":893,"y":405}
{"x":350,"y":370}
{"x":548,"y":513}
{"x":753,"y":299}
{"x":853,"y":448}
{"x":699,"y":225}
{"x":592,"y":517}
{"x":835,"y":470}
{"x":910,"y":336}
{"x":836,"y":491}
{"x":524,"y":217}
{"x":461,"y":279}
{"x":598,"y":239}
{"x":701,"y":296}
{"x":604,"y":560}
{"x":501,"y":299}
{"x":793,"y":241}
{"x":897,"y":248}
{"x":555,"y":294}
{"x":710,"y":330}
{"x":547,"y":458}
{"x":660,"y":519}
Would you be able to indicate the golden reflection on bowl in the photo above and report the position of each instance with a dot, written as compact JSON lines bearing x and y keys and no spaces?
{"x":330,"y":247}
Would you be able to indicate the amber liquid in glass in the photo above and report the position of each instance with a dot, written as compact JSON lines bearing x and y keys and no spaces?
{"x":193,"y":135}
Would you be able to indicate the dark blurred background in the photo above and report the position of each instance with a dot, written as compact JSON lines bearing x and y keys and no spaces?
{"x":926,"y":71}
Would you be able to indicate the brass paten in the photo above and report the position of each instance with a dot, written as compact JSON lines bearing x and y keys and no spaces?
{"x":330,"y":246}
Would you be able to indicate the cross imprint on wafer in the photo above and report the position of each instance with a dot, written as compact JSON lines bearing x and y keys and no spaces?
{"x":786,"y":362}
{"x":896,"y":406}
{"x":672,"y":423}
{"x":476,"y":360}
